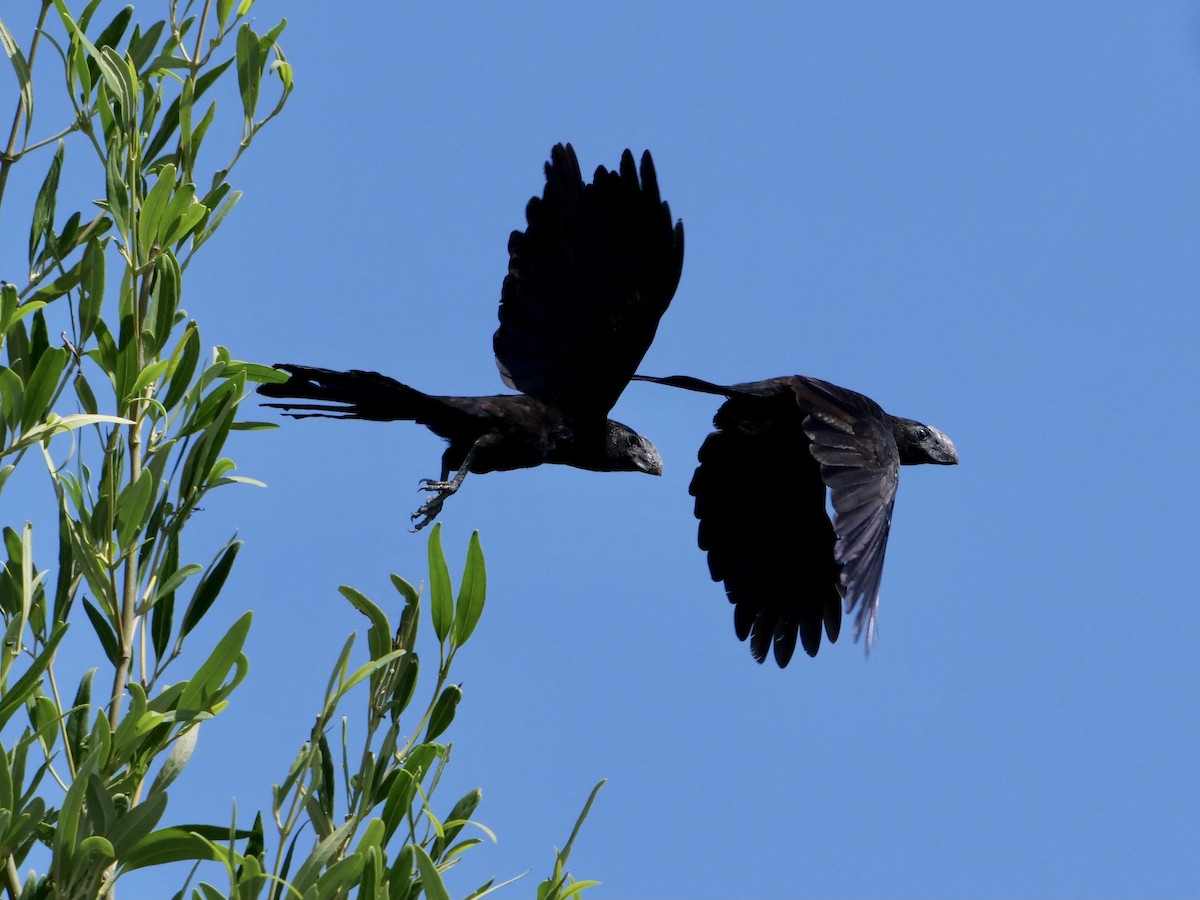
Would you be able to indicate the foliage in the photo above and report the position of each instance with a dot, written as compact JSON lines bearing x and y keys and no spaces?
{"x":130,"y":418}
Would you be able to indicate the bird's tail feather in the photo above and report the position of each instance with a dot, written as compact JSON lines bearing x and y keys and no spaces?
{"x":687,"y":382}
{"x":347,"y":395}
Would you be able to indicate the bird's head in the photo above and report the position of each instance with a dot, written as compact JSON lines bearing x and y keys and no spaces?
{"x":627,"y":451}
{"x":920,"y":443}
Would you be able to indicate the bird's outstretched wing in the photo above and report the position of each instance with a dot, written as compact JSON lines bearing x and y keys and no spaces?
{"x":852,"y":440}
{"x":761,"y":505}
{"x":588,"y":280}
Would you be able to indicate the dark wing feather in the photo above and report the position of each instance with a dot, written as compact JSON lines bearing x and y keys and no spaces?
{"x":761,"y":505}
{"x":588,"y":280}
{"x":852,"y":440}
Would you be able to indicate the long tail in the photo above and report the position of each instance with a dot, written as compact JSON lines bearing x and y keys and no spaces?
{"x":348,"y":395}
{"x":688,"y":383}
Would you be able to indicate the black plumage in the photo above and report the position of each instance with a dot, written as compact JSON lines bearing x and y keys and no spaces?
{"x":760,"y":492}
{"x":589,"y":278}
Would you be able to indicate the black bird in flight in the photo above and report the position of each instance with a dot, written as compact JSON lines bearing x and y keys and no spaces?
{"x":786,"y":566}
{"x":588,"y":280}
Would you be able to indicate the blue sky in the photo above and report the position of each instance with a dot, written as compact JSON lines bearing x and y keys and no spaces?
{"x":984,"y":216}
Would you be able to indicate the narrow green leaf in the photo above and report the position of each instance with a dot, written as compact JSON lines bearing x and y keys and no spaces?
{"x":472,"y":593}
{"x":133,"y":507}
{"x":116,"y":190}
{"x":169,"y":584}
{"x":443,"y":711}
{"x":216,"y":218}
{"x":441,"y":600}
{"x":91,"y":287}
{"x":162,"y":602}
{"x":209,"y":677}
{"x":150,"y":221}
{"x":7,"y":798}
{"x":223,"y":8}
{"x":135,"y":825}
{"x":183,"y":366}
{"x":249,"y":69}
{"x":151,"y":373}
{"x":59,"y":287}
{"x":164,"y":306}
{"x":27,"y":685}
{"x":431,"y":880}
{"x":141,"y":46}
{"x":327,"y":849}
{"x":104,"y":631}
{"x":42,"y":228}
{"x":79,"y":715}
{"x":43,"y":716}
{"x":168,"y":845}
{"x":401,"y":873}
{"x":460,"y":813}
{"x":21,"y":69}
{"x":379,"y":635}
{"x":210,"y":586}
{"x":41,"y":385}
{"x":181,"y":751}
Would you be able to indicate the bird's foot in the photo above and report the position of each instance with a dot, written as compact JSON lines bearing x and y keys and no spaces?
{"x":431,"y":507}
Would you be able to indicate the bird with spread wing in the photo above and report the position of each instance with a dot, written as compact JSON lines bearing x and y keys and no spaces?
{"x":788,"y":568}
{"x":588,"y":280}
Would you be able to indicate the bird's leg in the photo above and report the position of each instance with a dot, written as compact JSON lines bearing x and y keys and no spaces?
{"x":443,"y":489}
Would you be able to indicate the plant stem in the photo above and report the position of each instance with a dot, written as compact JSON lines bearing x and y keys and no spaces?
{"x":125,"y":636}
{"x":12,"y":879}
{"x":8,"y":158}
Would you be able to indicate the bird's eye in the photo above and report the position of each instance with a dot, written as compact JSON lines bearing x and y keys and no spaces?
{"x":631,"y":440}
{"x":923,"y":433}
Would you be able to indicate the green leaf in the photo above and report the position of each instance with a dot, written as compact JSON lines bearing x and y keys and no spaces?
{"x":43,"y":716}
{"x":150,"y":221}
{"x":133,"y":507}
{"x":41,"y":386}
{"x":21,"y":69}
{"x":379,"y":636}
{"x":210,"y":586}
{"x":104,"y":631}
{"x":116,"y":190}
{"x":136,"y":824}
{"x":208,"y":680}
{"x":151,"y":373}
{"x":459,"y":815}
{"x":29,"y":683}
{"x":91,"y":287}
{"x":183,"y":366}
{"x":441,"y":600}
{"x":214,"y":221}
{"x":79,"y":715}
{"x":327,"y":848}
{"x":141,"y":46}
{"x":223,"y":8}
{"x":400,"y":874}
{"x":169,"y":584}
{"x":168,"y":845}
{"x":168,"y":288}
{"x":181,"y":751}
{"x":249,"y":70}
{"x":111,"y":35}
{"x":42,"y":228}
{"x":59,"y":286}
{"x":431,"y":880}
{"x":472,"y":593}
{"x":443,"y":711}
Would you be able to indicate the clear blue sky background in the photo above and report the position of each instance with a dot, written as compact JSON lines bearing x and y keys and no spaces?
{"x":985,"y":216}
